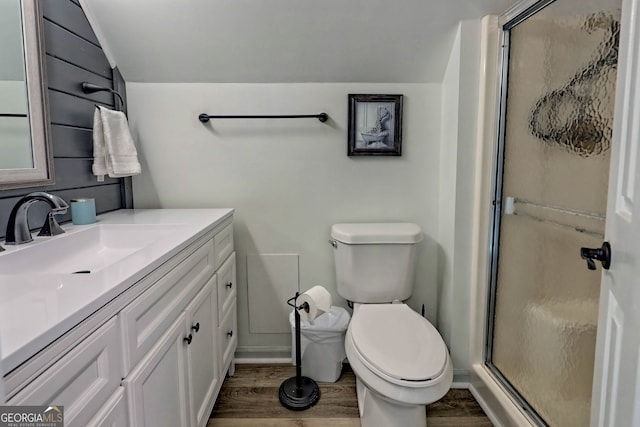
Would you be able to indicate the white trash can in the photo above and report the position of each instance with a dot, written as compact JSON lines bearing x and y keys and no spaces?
{"x":321,"y":344}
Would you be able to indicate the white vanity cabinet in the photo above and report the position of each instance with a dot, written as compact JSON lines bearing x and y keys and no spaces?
{"x":176,"y":381}
{"x":155,"y":355}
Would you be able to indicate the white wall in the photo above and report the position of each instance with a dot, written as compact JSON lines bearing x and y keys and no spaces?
{"x":457,"y":158}
{"x":289,"y":180}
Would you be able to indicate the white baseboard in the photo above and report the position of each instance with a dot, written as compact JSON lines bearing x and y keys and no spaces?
{"x":461,"y":378}
{"x":256,"y":354}
{"x":263,"y":361}
{"x":460,"y":385}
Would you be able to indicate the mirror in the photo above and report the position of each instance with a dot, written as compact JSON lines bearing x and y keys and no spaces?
{"x":25,"y":157}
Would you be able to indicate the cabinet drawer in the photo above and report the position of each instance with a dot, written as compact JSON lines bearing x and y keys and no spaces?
{"x":82,"y":380}
{"x":226,"y":287}
{"x":149,"y":315}
{"x":113,"y":413}
{"x":223,"y":242}
{"x":227,"y":339}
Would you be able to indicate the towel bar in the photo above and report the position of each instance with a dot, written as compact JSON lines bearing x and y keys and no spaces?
{"x":323,"y":117}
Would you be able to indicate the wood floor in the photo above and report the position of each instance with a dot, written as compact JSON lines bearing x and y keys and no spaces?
{"x":250,"y":399}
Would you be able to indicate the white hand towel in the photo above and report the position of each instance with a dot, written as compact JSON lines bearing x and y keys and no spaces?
{"x":99,"y":167}
{"x":114,"y":151}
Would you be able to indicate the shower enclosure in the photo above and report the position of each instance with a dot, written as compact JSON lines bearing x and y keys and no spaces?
{"x":550,"y":197}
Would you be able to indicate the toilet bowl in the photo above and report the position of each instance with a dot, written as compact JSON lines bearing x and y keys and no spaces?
{"x":401,"y":364}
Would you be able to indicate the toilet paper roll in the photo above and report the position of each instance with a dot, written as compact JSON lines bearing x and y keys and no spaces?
{"x":318,"y":301}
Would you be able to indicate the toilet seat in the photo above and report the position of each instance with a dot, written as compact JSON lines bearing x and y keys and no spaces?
{"x":398,"y":344}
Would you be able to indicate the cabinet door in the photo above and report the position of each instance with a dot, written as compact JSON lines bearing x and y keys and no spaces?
{"x":202,"y":354}
{"x":113,"y":413}
{"x":82,"y":380}
{"x":157,"y":386}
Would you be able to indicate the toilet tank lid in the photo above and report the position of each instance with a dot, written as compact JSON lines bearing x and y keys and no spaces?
{"x":377,"y":233}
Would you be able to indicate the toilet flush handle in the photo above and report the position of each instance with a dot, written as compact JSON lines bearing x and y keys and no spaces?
{"x":333,"y":243}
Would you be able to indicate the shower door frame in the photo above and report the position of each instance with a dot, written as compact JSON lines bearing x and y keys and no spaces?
{"x":518,"y":13}
{"x":488,"y":391}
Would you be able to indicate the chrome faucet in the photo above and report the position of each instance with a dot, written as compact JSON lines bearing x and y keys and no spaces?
{"x":18,"y":231}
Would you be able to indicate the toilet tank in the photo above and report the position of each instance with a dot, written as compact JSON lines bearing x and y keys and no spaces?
{"x":375,"y":262}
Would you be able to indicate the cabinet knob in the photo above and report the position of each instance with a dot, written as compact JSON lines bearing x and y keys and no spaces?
{"x":196,"y":327}
{"x":230,"y":334}
{"x":188,"y":339}
{"x":229,"y":285}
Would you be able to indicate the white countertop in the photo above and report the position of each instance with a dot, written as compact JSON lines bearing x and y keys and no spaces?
{"x":36,"y":308}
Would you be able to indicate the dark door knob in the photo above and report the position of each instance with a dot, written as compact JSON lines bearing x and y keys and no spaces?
{"x":602,"y":254}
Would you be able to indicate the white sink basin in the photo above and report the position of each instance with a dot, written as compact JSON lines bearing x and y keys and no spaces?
{"x":82,"y":251}
{"x":40,"y":297}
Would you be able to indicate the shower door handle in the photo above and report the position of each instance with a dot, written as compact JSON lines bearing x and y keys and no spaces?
{"x":602,"y":254}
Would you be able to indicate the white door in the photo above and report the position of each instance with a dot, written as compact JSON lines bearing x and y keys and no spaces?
{"x":616,"y":391}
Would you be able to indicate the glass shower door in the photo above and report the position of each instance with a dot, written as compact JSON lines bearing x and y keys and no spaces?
{"x":551,"y":195}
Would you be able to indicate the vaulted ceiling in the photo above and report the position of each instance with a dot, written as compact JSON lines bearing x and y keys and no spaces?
{"x":282,"y":41}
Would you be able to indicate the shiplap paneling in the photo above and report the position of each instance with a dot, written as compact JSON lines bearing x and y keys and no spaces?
{"x":73,"y":55}
{"x":70,"y":141}
{"x":67,"y":46}
{"x":68,"y":15}
{"x":70,"y":110}
{"x":74,"y":173}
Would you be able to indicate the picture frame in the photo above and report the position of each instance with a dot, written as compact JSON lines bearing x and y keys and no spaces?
{"x":375,"y":125}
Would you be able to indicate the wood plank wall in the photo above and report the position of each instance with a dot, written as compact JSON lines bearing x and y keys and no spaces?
{"x":73,"y":55}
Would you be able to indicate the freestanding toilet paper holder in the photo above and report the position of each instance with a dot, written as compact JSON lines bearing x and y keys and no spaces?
{"x":298,"y":393}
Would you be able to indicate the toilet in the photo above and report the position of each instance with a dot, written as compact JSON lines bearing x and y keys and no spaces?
{"x":399,"y":359}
